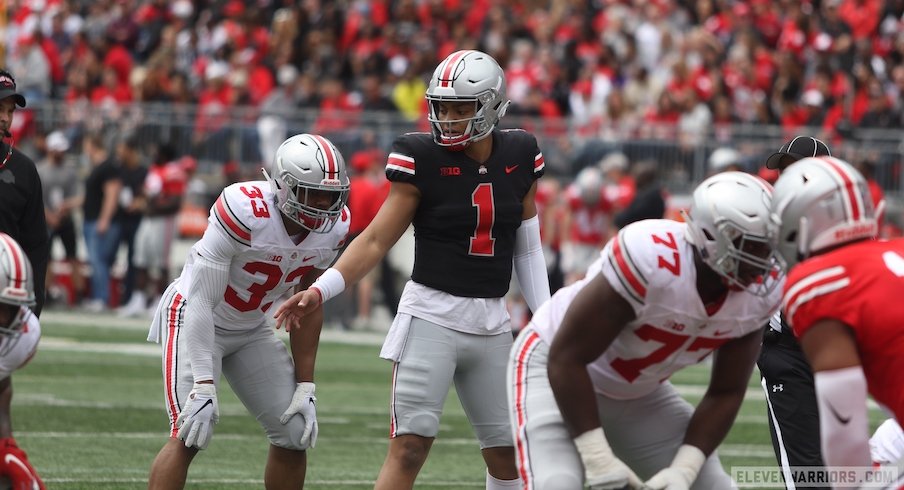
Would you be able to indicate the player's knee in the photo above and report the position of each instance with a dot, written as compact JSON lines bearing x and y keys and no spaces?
{"x":412,"y":453}
{"x":288,"y":436}
{"x":424,"y":425}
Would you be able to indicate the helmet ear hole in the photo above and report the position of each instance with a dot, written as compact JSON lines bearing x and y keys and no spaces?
{"x":709,"y":236}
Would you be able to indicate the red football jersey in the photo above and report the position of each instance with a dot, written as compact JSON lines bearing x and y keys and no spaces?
{"x":861,"y":285}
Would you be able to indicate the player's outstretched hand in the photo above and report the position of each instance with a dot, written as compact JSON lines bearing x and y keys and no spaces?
{"x":304,"y":403}
{"x":290,"y":313}
{"x":198,"y":416}
{"x":14,"y":466}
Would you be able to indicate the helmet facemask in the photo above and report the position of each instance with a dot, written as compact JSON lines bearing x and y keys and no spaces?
{"x":11,"y":331}
{"x":466,"y":76}
{"x":307,"y":166}
{"x":728,"y":225}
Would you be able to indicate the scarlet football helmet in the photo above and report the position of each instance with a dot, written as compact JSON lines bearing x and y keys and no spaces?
{"x":728,"y":224}
{"x":467,"y":76}
{"x":306,"y":163}
{"x":819,"y":203}
{"x":17,"y":290}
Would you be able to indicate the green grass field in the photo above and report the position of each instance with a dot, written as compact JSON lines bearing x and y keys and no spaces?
{"x":88,"y":410}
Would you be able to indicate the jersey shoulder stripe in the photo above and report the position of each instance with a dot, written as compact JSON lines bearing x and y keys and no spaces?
{"x":230,"y":222}
{"x":400,"y":163}
{"x":626,"y":269}
{"x":539,"y":163}
{"x":818,"y":283}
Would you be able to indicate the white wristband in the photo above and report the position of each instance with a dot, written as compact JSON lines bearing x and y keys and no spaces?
{"x":329,"y":284}
{"x":595,"y":452}
{"x":689,"y":459}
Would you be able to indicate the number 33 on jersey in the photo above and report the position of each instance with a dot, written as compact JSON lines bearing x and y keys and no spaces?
{"x":246,"y":231}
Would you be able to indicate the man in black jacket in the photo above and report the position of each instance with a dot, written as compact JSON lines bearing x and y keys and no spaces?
{"x":21,"y":199}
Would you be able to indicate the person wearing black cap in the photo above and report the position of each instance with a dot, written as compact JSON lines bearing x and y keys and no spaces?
{"x":785,"y":373}
{"x":21,"y":196}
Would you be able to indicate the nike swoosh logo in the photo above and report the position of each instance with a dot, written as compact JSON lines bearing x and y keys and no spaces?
{"x":511,"y":169}
{"x":308,"y":258}
{"x":208,"y":402}
{"x":9,"y":458}
{"x":720,"y":332}
{"x":844,"y":421}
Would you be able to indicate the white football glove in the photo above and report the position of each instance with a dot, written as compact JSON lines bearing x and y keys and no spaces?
{"x":198,"y":416}
{"x":602,"y":468}
{"x":304,"y":403}
{"x":682,"y":472}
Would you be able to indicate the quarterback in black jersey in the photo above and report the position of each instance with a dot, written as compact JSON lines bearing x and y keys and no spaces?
{"x":468,"y":189}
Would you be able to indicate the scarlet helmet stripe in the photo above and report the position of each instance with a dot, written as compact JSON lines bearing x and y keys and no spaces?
{"x":527,"y":346}
{"x":851,"y":197}
{"x":332,"y":167}
{"x":17,"y":262}
{"x":448,"y":71}
{"x":631,"y":278}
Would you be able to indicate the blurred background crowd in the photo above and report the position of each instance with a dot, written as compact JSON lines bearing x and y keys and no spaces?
{"x":639,"y":98}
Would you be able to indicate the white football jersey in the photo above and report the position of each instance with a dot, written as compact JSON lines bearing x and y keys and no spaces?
{"x":651,"y":264}
{"x":246,"y":231}
{"x":25,"y":347}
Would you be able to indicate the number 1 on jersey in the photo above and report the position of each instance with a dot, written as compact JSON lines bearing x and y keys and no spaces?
{"x":482,"y":241}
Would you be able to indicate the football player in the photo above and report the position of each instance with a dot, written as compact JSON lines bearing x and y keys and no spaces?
{"x":263,"y":238}
{"x":19,"y":335}
{"x":842,"y":299}
{"x":469,"y":189}
{"x":588,"y":385}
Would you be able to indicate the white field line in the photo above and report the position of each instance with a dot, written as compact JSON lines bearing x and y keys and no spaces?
{"x":740,"y":450}
{"x":249,"y":481}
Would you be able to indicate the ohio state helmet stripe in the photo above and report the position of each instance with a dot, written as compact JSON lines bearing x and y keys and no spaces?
{"x":445,"y":79}
{"x":17,"y":264}
{"x":524,"y":351}
{"x":539,"y":162}
{"x":628,"y":273}
{"x":852,"y":202}
{"x":238,"y":231}
{"x":332,"y":167}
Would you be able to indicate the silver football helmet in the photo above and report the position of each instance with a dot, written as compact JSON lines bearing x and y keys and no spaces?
{"x":820,"y":203}
{"x":17,"y":290}
{"x":467,"y":76}
{"x":728,"y":224}
{"x":304,"y":164}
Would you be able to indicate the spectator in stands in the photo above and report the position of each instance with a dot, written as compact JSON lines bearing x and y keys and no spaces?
{"x":164,"y":190}
{"x":618,"y":187}
{"x":60,"y":181}
{"x":21,"y":203}
{"x":30,"y":61}
{"x":648,"y":202}
{"x":724,"y":160}
{"x":132,"y":203}
{"x":276,"y":110}
{"x":101,"y":230}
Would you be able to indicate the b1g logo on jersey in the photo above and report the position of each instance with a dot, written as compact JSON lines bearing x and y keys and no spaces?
{"x":449,"y":171}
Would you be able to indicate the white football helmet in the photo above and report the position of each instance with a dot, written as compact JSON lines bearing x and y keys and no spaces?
{"x":17,"y":290}
{"x":467,"y":76}
{"x":820,"y":203}
{"x":306,"y":163}
{"x":728,"y":224}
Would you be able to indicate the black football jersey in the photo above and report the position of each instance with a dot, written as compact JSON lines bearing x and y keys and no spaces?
{"x":465,"y":224}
